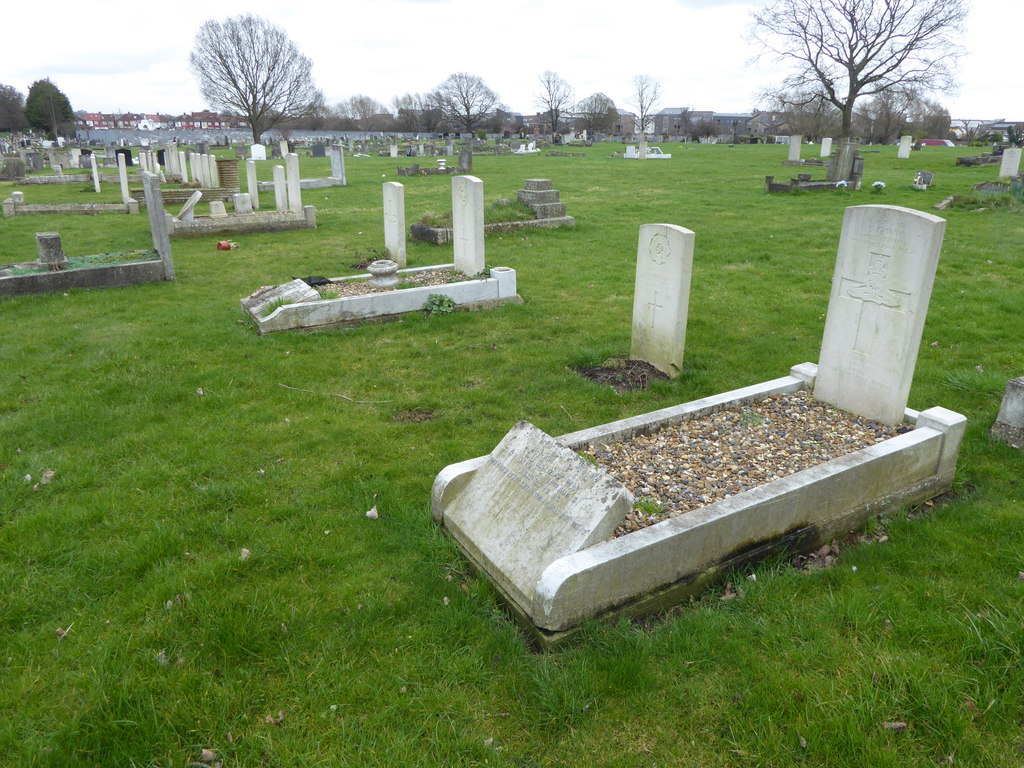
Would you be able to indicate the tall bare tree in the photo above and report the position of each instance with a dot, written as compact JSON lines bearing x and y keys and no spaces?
{"x":854,"y":48}
{"x":555,"y":98}
{"x":810,"y":114}
{"x":248,"y":66}
{"x":465,"y":100}
{"x":646,"y":93}
{"x":597,"y":113}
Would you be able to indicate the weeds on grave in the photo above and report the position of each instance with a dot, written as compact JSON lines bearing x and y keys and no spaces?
{"x":439,"y":304}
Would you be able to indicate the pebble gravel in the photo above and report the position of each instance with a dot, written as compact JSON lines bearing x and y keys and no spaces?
{"x":361,"y":287}
{"x":685,"y":466}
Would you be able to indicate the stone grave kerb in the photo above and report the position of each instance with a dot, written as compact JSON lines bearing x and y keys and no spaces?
{"x":881,"y":287}
{"x":661,"y":296}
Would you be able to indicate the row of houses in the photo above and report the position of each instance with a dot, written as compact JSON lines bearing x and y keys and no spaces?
{"x":147,"y":122}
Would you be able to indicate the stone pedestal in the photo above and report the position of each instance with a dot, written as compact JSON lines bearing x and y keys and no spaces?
{"x":51,"y":253}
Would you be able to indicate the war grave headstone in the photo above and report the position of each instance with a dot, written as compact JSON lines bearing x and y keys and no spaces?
{"x":95,"y":173}
{"x":492,"y":505}
{"x":903,"y":152}
{"x":1010,"y":164}
{"x":280,"y":190}
{"x":468,"y":224}
{"x":294,"y":188}
{"x":337,"y":154}
{"x":258,"y":152}
{"x":661,"y":296}
{"x":394,"y":222}
{"x":1009,"y":425}
{"x":188,"y":211}
{"x":826,"y":148}
{"x":251,"y":184}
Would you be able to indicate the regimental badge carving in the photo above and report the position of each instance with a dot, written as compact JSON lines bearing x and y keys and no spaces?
{"x":659,"y":249}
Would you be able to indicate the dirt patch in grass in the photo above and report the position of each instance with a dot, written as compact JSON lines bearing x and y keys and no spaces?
{"x":415,"y":416}
{"x":622,"y":375}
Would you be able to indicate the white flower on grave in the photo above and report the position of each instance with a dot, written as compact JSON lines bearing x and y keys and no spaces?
{"x":878,"y":186}
{"x":841,"y":184}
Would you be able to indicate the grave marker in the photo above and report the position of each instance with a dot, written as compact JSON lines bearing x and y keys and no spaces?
{"x":794,"y":148}
{"x":1009,"y":426}
{"x":258,"y":152}
{"x":294,"y":186}
{"x":187,"y":212}
{"x":468,"y":224}
{"x":122,"y":175}
{"x":280,"y":191}
{"x":880,"y":292}
{"x":394,"y":222}
{"x":252,"y":184}
{"x":337,"y":153}
{"x":95,"y":173}
{"x":661,"y":297}
{"x":826,"y":147}
{"x":1010,"y":164}
{"x":904,"y":150}
{"x":532,"y":502}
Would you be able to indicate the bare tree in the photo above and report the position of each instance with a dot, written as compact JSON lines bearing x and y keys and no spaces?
{"x":248,"y":66}
{"x":810,"y":113}
{"x":853,"y":48}
{"x":366,"y":112}
{"x":416,"y":112}
{"x":465,"y":100}
{"x":597,"y":113}
{"x":883,"y":118}
{"x":555,"y":98}
{"x":646,"y":93}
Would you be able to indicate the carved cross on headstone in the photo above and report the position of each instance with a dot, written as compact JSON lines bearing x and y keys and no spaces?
{"x":874,"y":296}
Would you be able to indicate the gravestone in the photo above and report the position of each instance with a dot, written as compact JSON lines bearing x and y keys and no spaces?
{"x":126,"y":153}
{"x":826,"y":147}
{"x":242,"y":202}
{"x":1009,"y":426}
{"x":282,"y":147}
{"x":794,"y":148}
{"x":393,"y":150}
{"x":95,"y":173}
{"x":158,"y":222}
{"x":217,"y":209}
{"x":923,"y":179}
{"x":187,"y":212}
{"x":880,"y":292}
{"x":631,"y":152}
{"x":468,"y":224}
{"x":122,"y":176}
{"x":394,"y":222}
{"x":291,"y":165}
{"x":203,"y":147}
{"x":258,"y":152}
{"x":319,"y":150}
{"x":251,"y":183}
{"x":34,"y":161}
{"x":840,"y":167}
{"x":661,"y":297}
{"x":280,"y":190}
{"x":51,"y":253}
{"x":466,"y":157}
{"x":294,"y":292}
{"x":1009,"y":166}
{"x":13,"y":169}
{"x":532,"y":502}
{"x":641,"y":150}
{"x":337,"y":153}
{"x":904,"y":149}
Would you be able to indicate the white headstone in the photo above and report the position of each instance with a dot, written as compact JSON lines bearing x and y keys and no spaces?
{"x":904,"y":151}
{"x":337,"y":153}
{"x":212,"y":174}
{"x":291,"y":165}
{"x":533,"y":502}
{"x":394,"y":222}
{"x":217,"y":209}
{"x":794,"y":148}
{"x":393,"y":150}
{"x":282,"y":147}
{"x":95,"y":172}
{"x":187,"y":212}
{"x":631,"y":152}
{"x":880,"y":292}
{"x":826,"y":147}
{"x":258,"y":152}
{"x":642,"y":151}
{"x":468,"y":224}
{"x":280,"y":190}
{"x":242,"y":202}
{"x":1010,"y":165}
{"x":183,"y":166}
{"x":661,"y":297}
{"x":252,"y":184}
{"x":122,"y":176}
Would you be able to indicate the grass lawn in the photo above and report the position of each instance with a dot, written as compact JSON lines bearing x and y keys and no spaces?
{"x":180,"y":439}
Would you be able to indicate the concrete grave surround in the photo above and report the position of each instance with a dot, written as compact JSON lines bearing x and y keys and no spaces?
{"x":394,"y":222}
{"x":903,"y":152}
{"x":826,"y":147}
{"x":661,"y":296}
{"x":1009,"y":426}
{"x":1010,"y":164}
{"x":880,"y":292}
{"x":532,"y":502}
{"x":468,"y":224}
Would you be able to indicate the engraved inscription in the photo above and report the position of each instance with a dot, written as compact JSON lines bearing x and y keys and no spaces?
{"x":874,"y":295}
{"x":544,"y":483}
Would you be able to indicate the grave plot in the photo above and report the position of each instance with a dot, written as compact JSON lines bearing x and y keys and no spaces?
{"x":388,"y":292}
{"x":536,"y":194}
{"x":845,"y":169}
{"x":497,"y":507}
{"x":54,"y":271}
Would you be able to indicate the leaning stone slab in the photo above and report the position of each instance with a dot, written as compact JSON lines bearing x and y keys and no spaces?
{"x":1009,"y":426}
{"x":657,"y":567}
{"x":532,"y":502}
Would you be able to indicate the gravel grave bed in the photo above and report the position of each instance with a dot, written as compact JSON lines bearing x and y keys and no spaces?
{"x":416,"y":279}
{"x":686,"y":466}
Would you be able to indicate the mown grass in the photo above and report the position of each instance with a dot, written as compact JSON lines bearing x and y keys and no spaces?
{"x":179,"y":437}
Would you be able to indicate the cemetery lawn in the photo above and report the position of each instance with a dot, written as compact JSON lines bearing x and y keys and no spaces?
{"x":186,"y":560}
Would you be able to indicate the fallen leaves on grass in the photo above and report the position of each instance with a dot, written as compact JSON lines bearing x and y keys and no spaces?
{"x":48,"y":475}
{"x":895,"y":726}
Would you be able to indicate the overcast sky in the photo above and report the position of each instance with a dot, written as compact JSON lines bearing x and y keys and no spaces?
{"x":134,"y":58}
